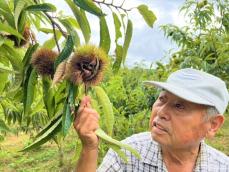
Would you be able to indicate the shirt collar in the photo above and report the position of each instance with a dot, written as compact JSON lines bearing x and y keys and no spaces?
{"x":202,"y":162}
{"x":153,"y":156}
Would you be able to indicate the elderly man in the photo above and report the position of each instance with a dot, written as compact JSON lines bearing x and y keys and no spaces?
{"x":189,"y":108}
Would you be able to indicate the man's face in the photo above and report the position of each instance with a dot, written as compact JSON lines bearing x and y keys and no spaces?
{"x":176,"y":122}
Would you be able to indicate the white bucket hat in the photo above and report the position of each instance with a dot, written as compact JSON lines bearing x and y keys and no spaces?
{"x":197,"y":87}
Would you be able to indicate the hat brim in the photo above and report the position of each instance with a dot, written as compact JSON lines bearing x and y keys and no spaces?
{"x":179,"y":91}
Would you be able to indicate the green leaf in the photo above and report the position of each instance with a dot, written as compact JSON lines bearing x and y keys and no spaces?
{"x":30,"y":91}
{"x":28,"y":55}
{"x":6,"y":12}
{"x":19,"y":8}
{"x":89,"y":6}
{"x":128,"y":36}
{"x":118,"y":60}
{"x":117,"y":24}
{"x":66,"y":52}
{"x":105,"y":39}
{"x":147,"y":14}
{"x":13,"y":56}
{"x":119,"y":152}
{"x":69,"y":109}
{"x":4,"y":68}
{"x":45,"y":7}
{"x":49,"y":125}
{"x":82,"y":20}
{"x":107,"y":108}
{"x":3,"y":78}
{"x":8,"y":29}
{"x":49,"y":134}
{"x":100,"y":133}
{"x":48,"y":96}
{"x":67,"y":24}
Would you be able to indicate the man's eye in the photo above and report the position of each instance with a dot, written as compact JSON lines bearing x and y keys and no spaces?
{"x":179,"y":106}
{"x":161,"y":99}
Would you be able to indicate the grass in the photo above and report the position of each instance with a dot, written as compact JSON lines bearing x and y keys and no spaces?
{"x":46,"y":158}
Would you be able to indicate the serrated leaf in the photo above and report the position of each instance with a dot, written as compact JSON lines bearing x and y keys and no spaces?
{"x":13,"y":56}
{"x":118,"y":60}
{"x":119,"y":152}
{"x":69,"y":109}
{"x":48,"y":96}
{"x":66,"y":52}
{"x":71,"y":30}
{"x":107,"y":108}
{"x":45,"y":7}
{"x":3,"y":79}
{"x":19,"y":8}
{"x":49,"y":134}
{"x":147,"y":14}
{"x":101,"y":134}
{"x":49,"y":125}
{"x":7,"y":69}
{"x":8,"y":29}
{"x":28,"y":55}
{"x":89,"y":6}
{"x":117,"y":24}
{"x":7,"y":13}
{"x":128,"y":36}
{"x":105,"y":39}
{"x":30,"y":91}
{"x":82,"y":20}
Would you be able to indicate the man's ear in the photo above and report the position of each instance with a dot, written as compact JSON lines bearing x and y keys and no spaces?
{"x":215,"y":123}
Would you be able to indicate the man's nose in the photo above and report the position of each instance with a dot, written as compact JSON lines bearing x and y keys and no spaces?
{"x":164,"y":112}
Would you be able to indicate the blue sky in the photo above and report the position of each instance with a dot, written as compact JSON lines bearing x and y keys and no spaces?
{"x":148,"y":44}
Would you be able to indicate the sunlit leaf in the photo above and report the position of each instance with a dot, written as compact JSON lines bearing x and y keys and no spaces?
{"x":128,"y":36}
{"x":45,"y":7}
{"x":49,"y":134}
{"x":100,"y":133}
{"x":8,"y":29}
{"x":107,"y":108}
{"x":82,"y":20}
{"x":105,"y":40}
{"x":147,"y":14}
{"x":19,"y":8}
{"x":66,"y":52}
{"x":30,"y":91}
{"x":89,"y":6}
{"x":117,"y":24}
{"x":118,"y":58}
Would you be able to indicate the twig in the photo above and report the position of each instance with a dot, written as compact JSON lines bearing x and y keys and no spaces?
{"x":55,"y":37}
{"x":113,"y":5}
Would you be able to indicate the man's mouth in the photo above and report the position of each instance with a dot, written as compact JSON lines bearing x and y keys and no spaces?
{"x":159,"y":126}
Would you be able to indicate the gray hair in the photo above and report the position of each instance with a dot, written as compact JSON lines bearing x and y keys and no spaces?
{"x":211,"y":111}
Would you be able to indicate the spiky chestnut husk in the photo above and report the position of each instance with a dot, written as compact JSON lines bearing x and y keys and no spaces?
{"x":87,"y":65}
{"x":43,"y":61}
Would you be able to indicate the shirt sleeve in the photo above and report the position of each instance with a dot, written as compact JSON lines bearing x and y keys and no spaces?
{"x":111,"y":163}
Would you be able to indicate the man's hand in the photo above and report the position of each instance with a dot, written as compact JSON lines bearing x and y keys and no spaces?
{"x":86,"y":122}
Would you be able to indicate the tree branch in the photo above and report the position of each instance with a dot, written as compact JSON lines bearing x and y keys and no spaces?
{"x":111,"y":4}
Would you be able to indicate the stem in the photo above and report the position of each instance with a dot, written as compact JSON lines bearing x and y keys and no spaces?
{"x":54,"y":23}
{"x":111,"y":4}
{"x":55,"y":37}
